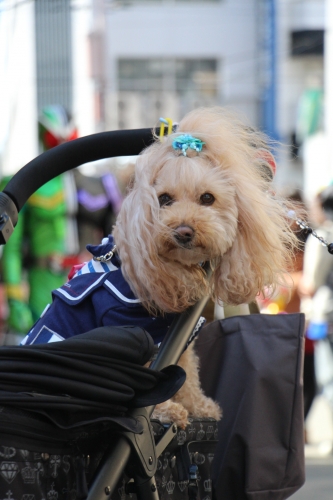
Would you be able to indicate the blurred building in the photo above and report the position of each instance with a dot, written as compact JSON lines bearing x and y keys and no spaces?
{"x":18,"y":108}
{"x":53,"y":42}
{"x":166,"y":57}
{"x":43,"y":61}
{"x":265,"y":58}
{"x":124,"y":63}
{"x":300,"y":93}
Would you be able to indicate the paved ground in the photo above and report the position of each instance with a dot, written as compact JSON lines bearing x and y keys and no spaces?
{"x":319,"y":480}
{"x":319,"y":455}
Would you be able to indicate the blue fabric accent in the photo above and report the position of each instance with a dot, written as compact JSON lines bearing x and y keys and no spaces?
{"x":105,"y":267}
{"x":317,"y":331}
{"x":105,"y":247}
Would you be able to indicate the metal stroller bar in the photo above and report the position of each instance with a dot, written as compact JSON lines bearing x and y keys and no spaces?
{"x":114,"y":463}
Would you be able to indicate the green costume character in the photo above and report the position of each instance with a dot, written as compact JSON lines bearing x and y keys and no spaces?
{"x":45,"y":239}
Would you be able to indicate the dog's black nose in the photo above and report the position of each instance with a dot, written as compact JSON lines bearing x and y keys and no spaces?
{"x":184,"y":234}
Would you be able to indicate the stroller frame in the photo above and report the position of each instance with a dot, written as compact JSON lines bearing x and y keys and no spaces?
{"x":137,"y":449}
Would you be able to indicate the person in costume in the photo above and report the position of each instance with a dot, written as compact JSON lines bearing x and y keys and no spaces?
{"x":44,"y":243}
{"x":47,"y":242}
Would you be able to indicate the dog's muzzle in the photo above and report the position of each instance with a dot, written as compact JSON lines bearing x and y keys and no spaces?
{"x":184,"y":235}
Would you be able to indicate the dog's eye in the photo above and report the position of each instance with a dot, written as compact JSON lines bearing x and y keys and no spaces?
{"x":165,"y":199}
{"x":207,"y":199}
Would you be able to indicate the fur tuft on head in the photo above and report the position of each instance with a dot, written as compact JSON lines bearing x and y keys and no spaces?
{"x":214,"y":205}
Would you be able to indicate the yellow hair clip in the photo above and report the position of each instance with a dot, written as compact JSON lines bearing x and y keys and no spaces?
{"x":165,"y":121}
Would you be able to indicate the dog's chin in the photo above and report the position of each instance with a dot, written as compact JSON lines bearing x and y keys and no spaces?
{"x":186,"y":255}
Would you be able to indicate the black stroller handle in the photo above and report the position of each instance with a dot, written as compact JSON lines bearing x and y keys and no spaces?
{"x":72,"y":154}
{"x":62,"y":158}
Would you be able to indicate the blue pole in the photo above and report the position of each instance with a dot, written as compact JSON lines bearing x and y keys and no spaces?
{"x":269,"y":90}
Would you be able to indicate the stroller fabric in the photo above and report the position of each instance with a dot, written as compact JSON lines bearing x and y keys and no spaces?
{"x":93,"y":376}
{"x":184,"y":468}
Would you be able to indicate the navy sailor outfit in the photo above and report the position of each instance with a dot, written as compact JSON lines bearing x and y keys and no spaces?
{"x":96,"y":296}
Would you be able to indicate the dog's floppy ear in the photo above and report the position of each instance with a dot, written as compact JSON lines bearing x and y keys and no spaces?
{"x":135,"y":234}
{"x":261,"y":253}
{"x":133,"y":231}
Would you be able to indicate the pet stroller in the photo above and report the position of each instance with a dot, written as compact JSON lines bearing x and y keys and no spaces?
{"x":145,"y":459}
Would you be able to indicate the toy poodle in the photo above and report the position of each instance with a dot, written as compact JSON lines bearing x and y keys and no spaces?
{"x":202,"y":194}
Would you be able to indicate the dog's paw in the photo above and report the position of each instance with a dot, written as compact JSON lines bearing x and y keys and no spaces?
{"x":209,"y":409}
{"x":171,"y":412}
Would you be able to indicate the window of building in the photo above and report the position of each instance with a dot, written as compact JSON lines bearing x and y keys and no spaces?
{"x":307,"y":43}
{"x":164,"y":87}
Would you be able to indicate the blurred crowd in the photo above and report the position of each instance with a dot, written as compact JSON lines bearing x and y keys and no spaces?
{"x":310,"y":290}
{"x":52,"y":232}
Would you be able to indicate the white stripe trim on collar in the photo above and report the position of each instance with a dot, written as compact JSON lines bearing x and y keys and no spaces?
{"x":119,"y":294}
{"x":63,"y":292}
{"x":97,"y":266}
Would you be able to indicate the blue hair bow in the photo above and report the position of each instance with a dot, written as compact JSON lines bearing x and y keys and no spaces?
{"x":183,"y":142}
